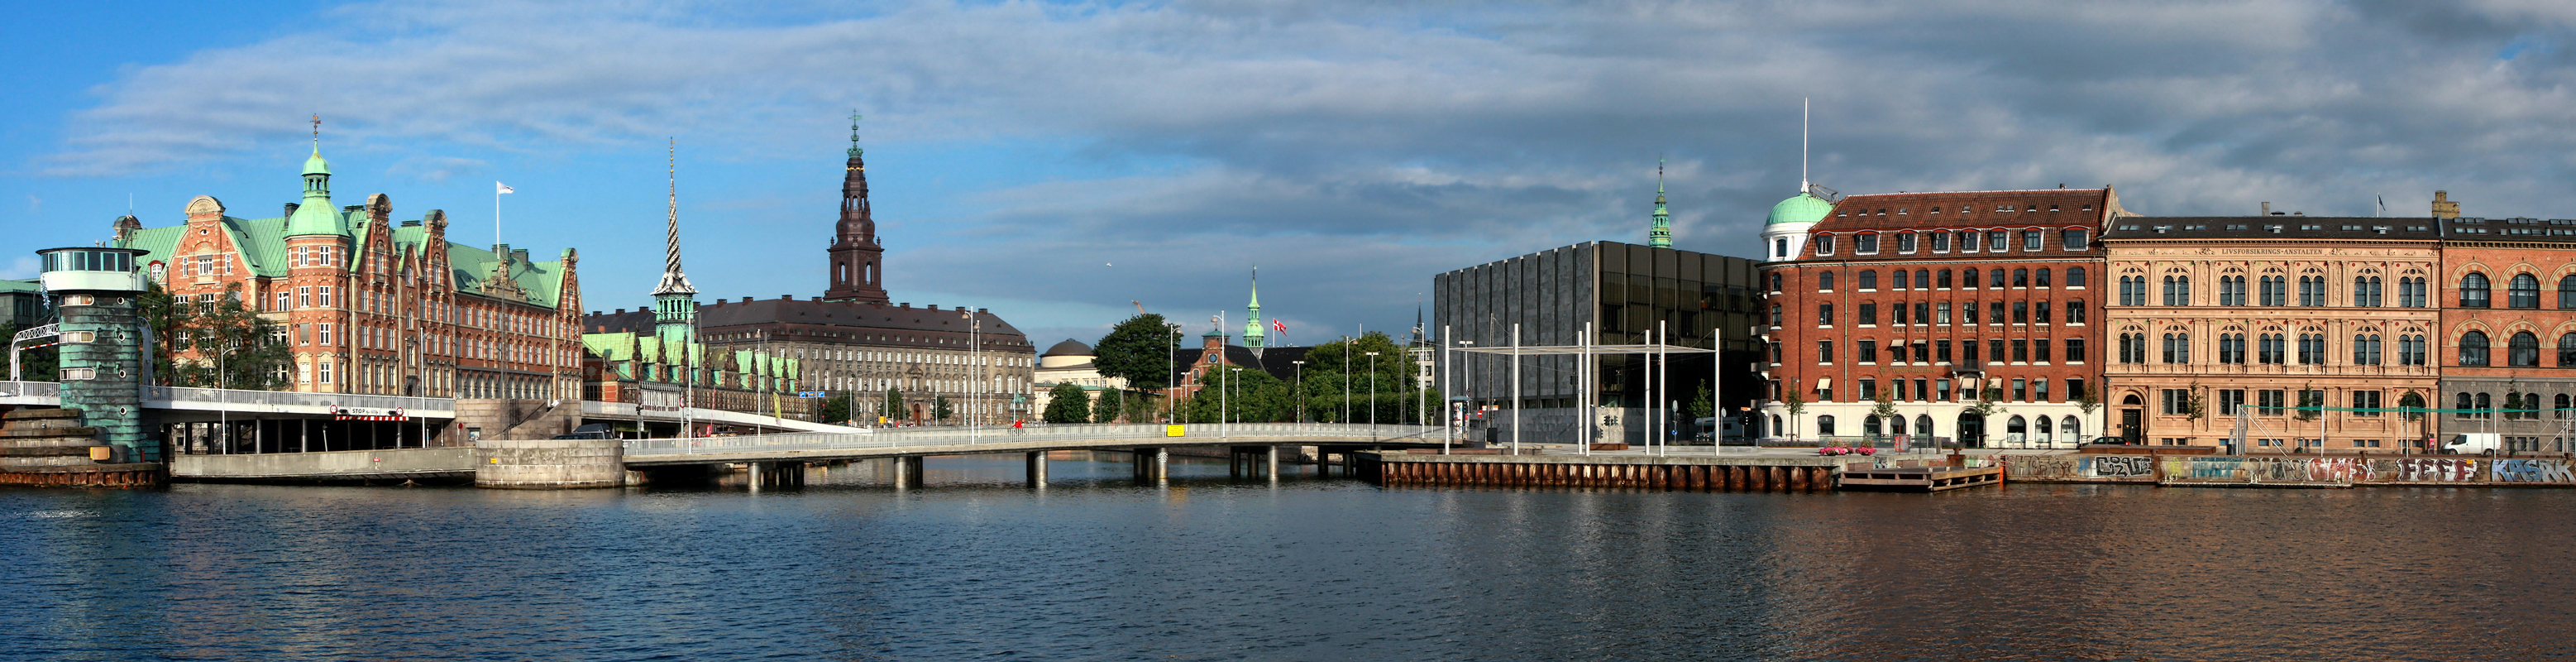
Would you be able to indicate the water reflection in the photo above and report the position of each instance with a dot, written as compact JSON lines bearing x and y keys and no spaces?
{"x":1206,"y":567}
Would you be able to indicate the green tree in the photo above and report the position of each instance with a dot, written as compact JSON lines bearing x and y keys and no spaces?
{"x":836,"y":409}
{"x":1067,"y":403}
{"x":892,"y":406}
{"x":1249,"y":395}
{"x":1105,"y":409}
{"x":1138,"y":350}
{"x":939,"y":409}
{"x":1141,"y":408}
{"x":221,"y":333}
{"x":1340,"y":376}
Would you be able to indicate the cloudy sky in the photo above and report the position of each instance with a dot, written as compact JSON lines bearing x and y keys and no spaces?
{"x":1055,"y":161}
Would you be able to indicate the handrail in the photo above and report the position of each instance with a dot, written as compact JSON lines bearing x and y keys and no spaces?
{"x":964,"y":436}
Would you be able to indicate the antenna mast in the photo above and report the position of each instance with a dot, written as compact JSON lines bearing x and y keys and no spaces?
{"x":1803,"y":182}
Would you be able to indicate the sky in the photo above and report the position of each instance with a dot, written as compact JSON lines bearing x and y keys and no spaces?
{"x":1054,"y":162}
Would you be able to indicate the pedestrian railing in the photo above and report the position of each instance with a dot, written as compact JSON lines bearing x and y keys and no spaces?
{"x":1071,"y":435}
{"x":30,"y":390}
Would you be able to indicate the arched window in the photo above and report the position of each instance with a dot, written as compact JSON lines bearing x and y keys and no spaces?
{"x":2177,"y":348}
{"x":2074,"y":276}
{"x":1824,"y":282}
{"x":1923,"y":278}
{"x":2567,"y":292}
{"x":1995,"y":279}
{"x":2365,"y":349}
{"x":2523,"y":351}
{"x":1968,"y":279}
{"x":2046,"y":429}
{"x":1824,"y":426}
{"x":1780,"y":248}
{"x":2466,"y":404}
{"x":1869,"y":426}
{"x":1945,"y":279}
{"x":1868,"y":280}
{"x":2486,"y":405}
{"x":1923,"y":426}
{"x":2473,"y":348}
{"x":2473,"y":290}
{"x":2559,"y":408}
{"x":2040,"y":279}
{"x":1903,"y":279}
{"x":1775,"y":426}
{"x":2071,"y":429}
{"x":2567,"y":351}
{"x":2016,"y":429}
{"x":2021,"y":278}
{"x":2177,"y":290}
{"x":2523,"y":291}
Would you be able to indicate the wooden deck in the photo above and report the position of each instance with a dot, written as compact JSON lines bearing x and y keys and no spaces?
{"x":1918,"y":479}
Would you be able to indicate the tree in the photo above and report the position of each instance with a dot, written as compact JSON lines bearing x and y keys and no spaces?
{"x":1247,"y":395}
{"x":2311,"y":402}
{"x":1105,"y":409}
{"x":836,"y":408}
{"x":939,"y":409}
{"x":1796,"y":403}
{"x":222,"y":334}
{"x":891,"y":408}
{"x":1138,"y":350}
{"x":1142,"y":409}
{"x":1886,"y":408}
{"x":1067,"y":403}
{"x":1703,"y":405}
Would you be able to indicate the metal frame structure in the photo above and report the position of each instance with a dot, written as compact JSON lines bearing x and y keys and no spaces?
{"x":1658,"y":364}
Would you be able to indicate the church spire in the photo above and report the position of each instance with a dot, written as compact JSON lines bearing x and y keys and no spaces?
{"x":673,"y":281}
{"x":1661,"y":234}
{"x":857,"y":271}
{"x":1253,"y":333}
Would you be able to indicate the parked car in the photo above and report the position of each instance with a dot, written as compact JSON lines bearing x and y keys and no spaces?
{"x":2474,"y":443}
{"x":2115,"y":441}
{"x":591,"y":431}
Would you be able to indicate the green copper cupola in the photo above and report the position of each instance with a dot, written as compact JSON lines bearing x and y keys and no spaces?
{"x":1661,"y":234}
{"x":1252,"y":331}
{"x":316,"y":215}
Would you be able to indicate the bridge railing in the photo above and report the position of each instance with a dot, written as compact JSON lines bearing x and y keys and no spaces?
{"x":960,"y":436}
{"x":290,"y":398}
{"x":30,"y":390}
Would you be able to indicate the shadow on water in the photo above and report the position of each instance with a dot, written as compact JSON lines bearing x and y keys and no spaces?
{"x":1098,"y":567}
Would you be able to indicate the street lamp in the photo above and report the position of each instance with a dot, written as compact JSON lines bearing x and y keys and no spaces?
{"x":1372,"y":388}
{"x":1299,"y":390}
{"x":1469,"y":359}
{"x":1234,"y":383}
{"x":1171,"y":372}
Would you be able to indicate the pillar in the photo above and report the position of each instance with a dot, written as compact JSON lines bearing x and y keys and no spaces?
{"x":1272,"y":468}
{"x":1038,"y":469}
{"x":755,"y":475}
{"x":1162,"y":464}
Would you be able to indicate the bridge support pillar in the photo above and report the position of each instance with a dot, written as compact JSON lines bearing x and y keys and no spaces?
{"x":907,"y":472}
{"x":1272,"y":469}
{"x":754,"y":474}
{"x":1038,"y":469}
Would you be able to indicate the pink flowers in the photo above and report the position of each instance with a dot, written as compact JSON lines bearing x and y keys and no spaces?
{"x":1841,"y":450}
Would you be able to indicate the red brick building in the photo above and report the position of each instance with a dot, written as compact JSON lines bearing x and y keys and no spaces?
{"x":2508,"y":330}
{"x":1932,"y":301}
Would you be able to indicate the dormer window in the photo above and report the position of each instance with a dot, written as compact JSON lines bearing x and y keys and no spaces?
{"x":1865,"y":244}
{"x":1824,"y":244}
{"x":1905,"y":243}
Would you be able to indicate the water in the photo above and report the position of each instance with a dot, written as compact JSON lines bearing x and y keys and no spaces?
{"x":1095,"y":568}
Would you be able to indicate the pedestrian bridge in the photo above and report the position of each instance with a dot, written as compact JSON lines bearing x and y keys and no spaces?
{"x":238,"y":401}
{"x":916,"y":442}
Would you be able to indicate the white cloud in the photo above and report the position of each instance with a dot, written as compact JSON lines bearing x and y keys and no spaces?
{"x":21,"y":269}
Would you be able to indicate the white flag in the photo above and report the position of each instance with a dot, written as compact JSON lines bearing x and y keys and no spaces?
{"x":500,"y":188}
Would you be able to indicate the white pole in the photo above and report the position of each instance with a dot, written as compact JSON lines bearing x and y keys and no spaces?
{"x":1716,"y":408}
{"x":1447,"y":432}
{"x":1516,"y":388}
{"x":1663,"y":391}
{"x":1584,"y":401}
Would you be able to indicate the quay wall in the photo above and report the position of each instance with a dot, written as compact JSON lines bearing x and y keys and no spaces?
{"x":2293,"y":470}
{"x":1797,"y":474}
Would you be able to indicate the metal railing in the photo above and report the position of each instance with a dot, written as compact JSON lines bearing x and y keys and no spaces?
{"x":30,"y":390}
{"x":295,"y":399}
{"x":1068,"y":434}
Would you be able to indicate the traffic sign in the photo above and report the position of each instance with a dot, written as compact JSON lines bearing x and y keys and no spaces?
{"x":813,"y":394}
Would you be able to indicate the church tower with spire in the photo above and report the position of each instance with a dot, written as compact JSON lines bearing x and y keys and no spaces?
{"x":675,"y":302}
{"x":857,"y":257}
{"x":1661,"y":234}
{"x":1253,"y":333}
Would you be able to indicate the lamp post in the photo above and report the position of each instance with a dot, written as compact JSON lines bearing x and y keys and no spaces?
{"x":1299,"y":390}
{"x":1233,"y":383}
{"x":1470,"y":369}
{"x":1171,"y":372}
{"x":1372,"y":390}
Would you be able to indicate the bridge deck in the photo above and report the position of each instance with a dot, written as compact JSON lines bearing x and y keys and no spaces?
{"x":911,"y":442}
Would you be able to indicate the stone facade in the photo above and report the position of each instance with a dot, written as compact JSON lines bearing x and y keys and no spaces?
{"x":1935,"y":301}
{"x":2243,"y":318}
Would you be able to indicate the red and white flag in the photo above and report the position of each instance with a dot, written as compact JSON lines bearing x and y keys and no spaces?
{"x":1279,"y":326}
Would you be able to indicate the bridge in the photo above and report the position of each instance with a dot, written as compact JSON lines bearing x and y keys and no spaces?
{"x":202,"y":405}
{"x":778,"y":459}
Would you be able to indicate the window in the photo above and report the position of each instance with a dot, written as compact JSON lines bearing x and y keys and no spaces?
{"x":2365,"y":403}
{"x":325,"y":298}
{"x":2075,"y":311}
{"x":1941,"y":351}
{"x":1865,"y":243}
{"x":2074,"y":352}
{"x":1825,"y":351}
{"x":1968,"y":351}
{"x":1824,"y":244}
{"x":1923,"y":278}
{"x":2177,"y":402}
{"x":2021,"y":278}
{"x":326,"y":371}
{"x":1825,"y":426}
{"x":2020,"y":350}
{"x":2567,"y":351}
{"x":1970,"y":241}
{"x":1940,"y":240}
{"x":2410,"y":350}
{"x":2231,"y":348}
{"x":2276,"y":290}
{"x":1780,"y":248}
{"x":1898,"y":311}
{"x":2365,"y":349}
{"x":2177,"y":348}
{"x":2074,"y":276}
{"x":2270,"y":403}
{"x":2073,"y":239}
{"x":1995,"y":279}
{"x":2473,"y":291}
{"x":1869,"y":390}
{"x":2473,"y":348}
{"x":2567,"y":292}
{"x":2039,"y":313}
{"x":1868,"y":315}
{"x":2312,"y":349}
{"x":1941,"y":390}
{"x":1969,"y":310}
{"x":1905,"y":243}
{"x":2177,"y":290}
{"x":1824,"y":282}
{"x":2523,"y":350}
{"x":1922,"y":313}
{"x":1868,"y":280}
{"x":2133,"y":348}
{"x":2365,"y":292}
{"x":2133,"y":290}
{"x":304,"y":297}
{"x":1995,"y":348}
{"x":2020,"y":391}
{"x":2523,"y":291}
{"x":2040,"y":279}
{"x":2231,"y":402}
{"x":2411,"y":293}
{"x":1941,"y":313}
{"x":1944,"y":276}
{"x":2021,"y":312}
{"x":1904,"y":280}
{"x":2271,"y":349}
{"x":1999,"y":240}
{"x":2030,"y":241}
{"x":1824,"y":314}
{"x":1995,"y":313}
{"x":2312,"y":290}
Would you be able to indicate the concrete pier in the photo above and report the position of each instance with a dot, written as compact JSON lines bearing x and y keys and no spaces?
{"x":550,"y":463}
{"x":1038,"y":469}
{"x":1694,"y":473}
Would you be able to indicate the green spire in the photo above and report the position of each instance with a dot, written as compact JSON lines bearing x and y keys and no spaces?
{"x":1661,"y":235}
{"x":854,"y":134}
{"x":316,"y":214}
{"x":1252,"y":331}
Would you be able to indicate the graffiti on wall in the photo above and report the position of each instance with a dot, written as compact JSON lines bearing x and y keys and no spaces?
{"x":2121,"y":466}
{"x":2345,"y":470}
{"x":2079,"y":467}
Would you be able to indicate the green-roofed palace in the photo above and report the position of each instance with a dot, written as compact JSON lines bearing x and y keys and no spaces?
{"x":375,"y":305}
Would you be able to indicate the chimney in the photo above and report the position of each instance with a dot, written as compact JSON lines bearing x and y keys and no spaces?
{"x":2267,"y":209}
{"x":290,"y":209}
{"x":787,"y":297}
{"x":2444,"y":206}
{"x":519,"y":256}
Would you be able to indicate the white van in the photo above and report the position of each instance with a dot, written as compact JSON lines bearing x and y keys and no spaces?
{"x":2474,"y":443}
{"x":1733,"y":429}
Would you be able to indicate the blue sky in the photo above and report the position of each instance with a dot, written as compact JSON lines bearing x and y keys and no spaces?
{"x":1054,"y":161}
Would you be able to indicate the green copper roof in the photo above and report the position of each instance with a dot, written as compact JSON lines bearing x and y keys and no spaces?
{"x":1801,"y":208}
{"x":316,"y":215}
{"x":315,"y":165}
